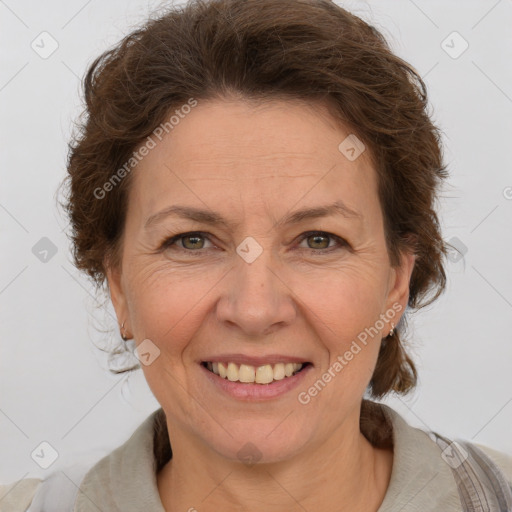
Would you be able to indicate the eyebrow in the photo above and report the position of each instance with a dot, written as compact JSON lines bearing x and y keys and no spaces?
{"x":212,"y":218}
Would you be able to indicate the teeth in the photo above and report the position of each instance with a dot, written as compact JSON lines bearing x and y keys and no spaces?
{"x":264,"y":374}
{"x":246,"y":373}
{"x":288,"y":369}
{"x":232,"y":372}
{"x":279,"y":372}
{"x":223,"y":371}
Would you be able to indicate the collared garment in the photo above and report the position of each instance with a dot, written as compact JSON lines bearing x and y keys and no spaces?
{"x":125,"y":479}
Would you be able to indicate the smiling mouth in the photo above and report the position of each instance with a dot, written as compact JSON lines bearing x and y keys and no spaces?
{"x":249,"y":374}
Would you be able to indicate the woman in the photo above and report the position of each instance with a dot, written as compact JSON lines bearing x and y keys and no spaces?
{"x":255,"y":182}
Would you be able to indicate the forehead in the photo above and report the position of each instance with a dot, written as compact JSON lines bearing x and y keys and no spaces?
{"x":281,"y":151}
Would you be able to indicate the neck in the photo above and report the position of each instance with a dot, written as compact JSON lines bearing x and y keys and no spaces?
{"x":345,"y":472}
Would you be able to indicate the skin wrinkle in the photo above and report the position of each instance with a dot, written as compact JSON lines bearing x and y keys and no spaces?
{"x":288,"y":301}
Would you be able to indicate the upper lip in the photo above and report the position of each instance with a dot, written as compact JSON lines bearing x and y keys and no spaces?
{"x":253,"y":360}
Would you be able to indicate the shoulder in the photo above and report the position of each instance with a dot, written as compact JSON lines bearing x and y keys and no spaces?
{"x":431,"y":472}
{"x":17,"y":496}
{"x":502,"y":460}
{"x":122,"y":476}
{"x":57,"y":491}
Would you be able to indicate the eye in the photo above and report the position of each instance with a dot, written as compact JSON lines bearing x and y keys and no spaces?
{"x":192,"y":241}
{"x":319,"y":241}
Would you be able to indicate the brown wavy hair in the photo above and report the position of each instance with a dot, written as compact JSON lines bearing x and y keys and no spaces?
{"x":307,"y":50}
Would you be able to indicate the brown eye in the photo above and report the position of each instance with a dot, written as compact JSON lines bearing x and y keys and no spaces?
{"x":318,"y":241}
{"x":192,"y":241}
{"x":186,"y":242}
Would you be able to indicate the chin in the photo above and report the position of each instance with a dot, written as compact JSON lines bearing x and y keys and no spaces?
{"x":263,"y":443}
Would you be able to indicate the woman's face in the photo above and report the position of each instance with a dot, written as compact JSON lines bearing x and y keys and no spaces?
{"x":255,"y":281}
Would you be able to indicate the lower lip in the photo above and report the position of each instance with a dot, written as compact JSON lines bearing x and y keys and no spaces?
{"x":255,"y":392}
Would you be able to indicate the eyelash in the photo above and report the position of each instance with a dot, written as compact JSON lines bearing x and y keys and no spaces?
{"x":169,"y":242}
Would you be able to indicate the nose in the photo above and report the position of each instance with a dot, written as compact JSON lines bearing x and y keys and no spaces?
{"x":255,"y":298}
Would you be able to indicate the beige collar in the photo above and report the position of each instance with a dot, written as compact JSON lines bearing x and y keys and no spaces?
{"x":125,"y":480}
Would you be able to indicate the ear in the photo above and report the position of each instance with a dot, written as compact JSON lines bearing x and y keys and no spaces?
{"x":398,"y":290}
{"x":118,"y":296}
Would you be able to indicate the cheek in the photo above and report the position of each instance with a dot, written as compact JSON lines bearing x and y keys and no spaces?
{"x":166,"y":306}
{"x":346,"y":299}
{"x":168,"y":310}
{"x":344,"y":309}
{"x":169,"y":304}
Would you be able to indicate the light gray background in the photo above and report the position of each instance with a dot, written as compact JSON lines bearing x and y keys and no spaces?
{"x":54,"y":383}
